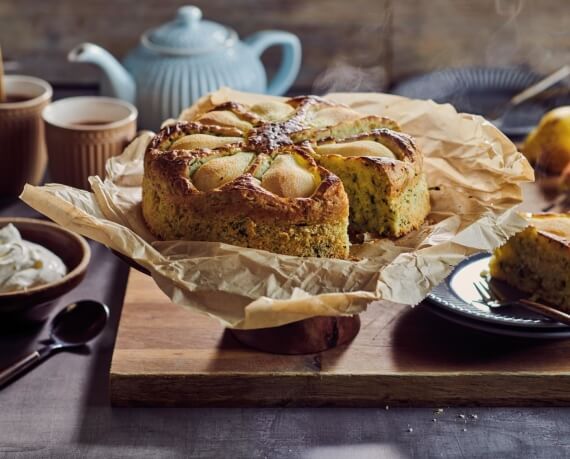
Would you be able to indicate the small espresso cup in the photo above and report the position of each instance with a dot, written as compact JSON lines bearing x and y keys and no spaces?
{"x":22,"y":146}
{"x":82,"y":133}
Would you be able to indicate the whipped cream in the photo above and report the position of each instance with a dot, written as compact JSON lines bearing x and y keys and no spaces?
{"x":23,"y":264}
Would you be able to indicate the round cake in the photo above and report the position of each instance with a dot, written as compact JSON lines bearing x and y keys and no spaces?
{"x":283,"y":176}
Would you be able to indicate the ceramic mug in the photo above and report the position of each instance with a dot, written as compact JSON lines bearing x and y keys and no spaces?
{"x":82,"y":133}
{"x":23,"y":155}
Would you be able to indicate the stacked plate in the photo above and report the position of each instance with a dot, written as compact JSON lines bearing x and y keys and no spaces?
{"x":484,"y":91}
{"x":456,"y":299}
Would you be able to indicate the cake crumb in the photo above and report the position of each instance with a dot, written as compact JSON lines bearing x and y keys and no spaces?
{"x":461,"y":416}
{"x":438,"y":411}
{"x":464,"y":430}
{"x":434,"y":420}
{"x":410,"y":429}
{"x":387,"y":407}
{"x":473,"y":416}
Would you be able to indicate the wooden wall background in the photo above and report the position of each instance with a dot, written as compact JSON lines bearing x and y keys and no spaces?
{"x":348,"y":44}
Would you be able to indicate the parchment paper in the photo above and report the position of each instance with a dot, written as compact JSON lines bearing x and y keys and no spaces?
{"x":474,"y":173}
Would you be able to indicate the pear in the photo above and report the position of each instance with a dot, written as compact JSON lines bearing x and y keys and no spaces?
{"x":199,"y":141}
{"x":287,"y":178}
{"x":273,"y":110}
{"x":219,"y":171}
{"x":548,"y":145}
{"x":225,"y":118}
{"x":358,"y":148}
{"x":564,"y":179}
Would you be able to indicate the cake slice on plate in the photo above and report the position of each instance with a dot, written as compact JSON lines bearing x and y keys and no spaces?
{"x":537,"y":260}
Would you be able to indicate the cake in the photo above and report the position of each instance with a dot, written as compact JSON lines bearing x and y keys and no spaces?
{"x":382,"y":174}
{"x":287,"y":176}
{"x":537,"y":260}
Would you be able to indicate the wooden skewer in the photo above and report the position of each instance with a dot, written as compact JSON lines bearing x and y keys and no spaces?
{"x":547,"y":311}
{"x":2,"y":91}
{"x":542,"y":85}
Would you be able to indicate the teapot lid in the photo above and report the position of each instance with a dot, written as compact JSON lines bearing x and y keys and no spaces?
{"x":188,"y":34}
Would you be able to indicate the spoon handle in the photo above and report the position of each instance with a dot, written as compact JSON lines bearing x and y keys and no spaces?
{"x":10,"y":373}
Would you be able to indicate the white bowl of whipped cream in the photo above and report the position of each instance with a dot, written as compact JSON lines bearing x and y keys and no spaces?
{"x":39,"y":262}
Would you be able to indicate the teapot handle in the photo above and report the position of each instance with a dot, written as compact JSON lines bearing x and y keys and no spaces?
{"x":290,"y":63}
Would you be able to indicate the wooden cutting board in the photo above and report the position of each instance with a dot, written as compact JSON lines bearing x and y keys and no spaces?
{"x":166,"y":355}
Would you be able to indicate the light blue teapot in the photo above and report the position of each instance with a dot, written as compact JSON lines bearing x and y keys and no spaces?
{"x":182,"y":60}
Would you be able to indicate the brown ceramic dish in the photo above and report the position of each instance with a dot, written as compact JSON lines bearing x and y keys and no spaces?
{"x":35,"y":304}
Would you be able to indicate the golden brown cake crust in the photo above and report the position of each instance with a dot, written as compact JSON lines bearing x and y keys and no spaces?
{"x":244,"y":196}
{"x":551,"y":225}
{"x":180,"y":129}
{"x":402,"y":171}
{"x":183,"y":186}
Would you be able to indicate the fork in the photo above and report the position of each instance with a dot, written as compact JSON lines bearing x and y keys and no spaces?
{"x":491,"y":298}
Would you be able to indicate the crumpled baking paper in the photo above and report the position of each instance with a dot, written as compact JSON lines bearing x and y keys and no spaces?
{"x":474,"y":173}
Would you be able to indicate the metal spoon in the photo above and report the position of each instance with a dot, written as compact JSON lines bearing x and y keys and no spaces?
{"x":74,"y":326}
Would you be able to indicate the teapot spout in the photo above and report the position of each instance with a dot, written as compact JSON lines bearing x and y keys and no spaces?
{"x":120,"y":83}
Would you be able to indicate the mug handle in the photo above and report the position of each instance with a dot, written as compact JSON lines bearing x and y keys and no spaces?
{"x":290,"y":63}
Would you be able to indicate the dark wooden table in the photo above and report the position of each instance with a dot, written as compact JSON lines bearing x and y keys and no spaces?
{"x":61,"y":409}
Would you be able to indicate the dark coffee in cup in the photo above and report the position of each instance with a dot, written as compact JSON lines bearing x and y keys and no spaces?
{"x":91,"y":123}
{"x":11,"y":98}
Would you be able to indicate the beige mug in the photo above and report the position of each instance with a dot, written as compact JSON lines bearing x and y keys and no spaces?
{"x":82,"y":133}
{"x":23,"y":155}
